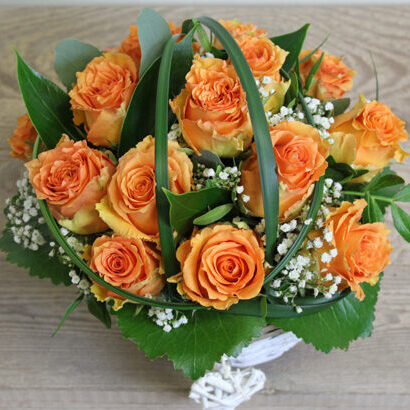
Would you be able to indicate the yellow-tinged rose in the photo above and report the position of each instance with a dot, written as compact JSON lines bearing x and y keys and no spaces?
{"x":72,"y":178}
{"x":212,"y":110}
{"x":24,"y":136}
{"x":300,"y":155}
{"x":363,"y":250}
{"x":220,"y":266}
{"x":130,"y":206}
{"x":368,"y":137}
{"x":101,"y":96}
{"x":332,"y":79}
{"x":129,"y":264}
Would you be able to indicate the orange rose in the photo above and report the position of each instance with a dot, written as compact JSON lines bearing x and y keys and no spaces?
{"x":368,"y":137}
{"x":220,"y":266}
{"x":24,"y":136}
{"x":238,"y":29}
{"x":265,"y":60}
{"x":129,"y":264}
{"x":301,"y":160}
{"x":72,"y":178}
{"x":130,"y":206}
{"x":363,"y":250}
{"x":101,"y":96}
{"x":333,"y":78}
{"x":212,"y":110}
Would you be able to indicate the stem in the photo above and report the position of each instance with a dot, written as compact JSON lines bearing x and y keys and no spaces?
{"x":362,"y":194}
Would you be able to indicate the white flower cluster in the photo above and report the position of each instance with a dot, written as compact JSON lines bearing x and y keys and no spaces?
{"x":23,"y":216}
{"x":175,"y":133}
{"x":168,"y":319}
{"x":82,"y":284}
{"x":332,"y":191}
{"x":260,"y":83}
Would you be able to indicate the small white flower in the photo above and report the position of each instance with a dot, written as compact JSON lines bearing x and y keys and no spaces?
{"x":333,"y":289}
{"x":223,"y":175}
{"x":337,"y":280}
{"x":333,"y":253}
{"x":328,"y":182}
{"x":325,"y":257}
{"x":293,"y":289}
{"x":239,"y":189}
{"x":308,"y":221}
{"x":282,"y":249}
{"x":298,"y":309}
{"x":266,"y":80}
{"x":329,"y":276}
{"x":315,"y":291}
{"x":317,"y":243}
{"x":209,"y":173}
{"x":246,"y":198}
{"x":328,"y":106}
{"x":167,"y":328}
{"x":328,"y":236}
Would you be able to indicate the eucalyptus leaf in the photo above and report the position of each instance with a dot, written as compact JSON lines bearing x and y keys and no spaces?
{"x":186,"y":207}
{"x":72,"y":56}
{"x":401,"y":221}
{"x":213,"y":215}
{"x":47,"y":105}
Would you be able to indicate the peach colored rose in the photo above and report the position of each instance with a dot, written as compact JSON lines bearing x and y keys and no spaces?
{"x":333,"y":78}
{"x":101,"y":96}
{"x":130,"y":206}
{"x":212,"y":110}
{"x":238,"y":29}
{"x":363,"y":250}
{"x":129,"y":264}
{"x":301,"y":160}
{"x":368,"y":137}
{"x":220,"y":266}
{"x":72,"y":178}
{"x":21,"y":143}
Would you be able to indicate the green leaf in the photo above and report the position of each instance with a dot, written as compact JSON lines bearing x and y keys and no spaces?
{"x":153,"y":34}
{"x":401,"y":221}
{"x":47,"y":105}
{"x":186,"y":207}
{"x":207,"y":158}
{"x":263,"y":143}
{"x":381,"y":181}
{"x":376,"y":77}
{"x":71,"y":57}
{"x":166,"y":235}
{"x":342,"y":172}
{"x":99,"y":310}
{"x":196,"y":346}
{"x":337,"y":326}
{"x":340,"y":106}
{"x":293,"y":43}
{"x":307,"y":56}
{"x":312,"y":72}
{"x":204,"y":39}
{"x":293,"y":90}
{"x":69,"y":310}
{"x":140,"y":118}
{"x":372,"y":212}
{"x":403,"y":195}
{"x":213,"y":215}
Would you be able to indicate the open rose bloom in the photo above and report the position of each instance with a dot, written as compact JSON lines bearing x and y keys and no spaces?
{"x":212,"y":187}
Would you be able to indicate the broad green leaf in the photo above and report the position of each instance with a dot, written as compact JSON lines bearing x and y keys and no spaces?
{"x":342,"y":172}
{"x":401,"y":221}
{"x":99,"y":310}
{"x":372,"y":212}
{"x":337,"y":326}
{"x":69,"y":310}
{"x":263,"y":143}
{"x":72,"y":56}
{"x":213,"y":215}
{"x":47,"y":105}
{"x":312,"y":72}
{"x":403,"y":195}
{"x":381,"y":181}
{"x":196,"y":346}
{"x":186,"y":207}
{"x":293,"y":43}
{"x":207,"y":158}
{"x":153,"y":34}
{"x":340,"y":106}
{"x":140,"y":118}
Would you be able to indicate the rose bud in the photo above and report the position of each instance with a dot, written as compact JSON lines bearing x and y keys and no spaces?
{"x":21,"y":143}
{"x":72,"y":178}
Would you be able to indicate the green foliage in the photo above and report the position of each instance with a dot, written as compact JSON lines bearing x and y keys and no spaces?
{"x":307,"y":56}
{"x":342,"y":172}
{"x":293,"y":43}
{"x":47,"y":105}
{"x":69,"y":310}
{"x":401,"y":221}
{"x":196,"y":346}
{"x":372,"y":212}
{"x":186,"y":207}
{"x":72,"y":56}
{"x":403,"y":195}
{"x":213,"y":215}
{"x":340,"y":106}
{"x":99,"y":310}
{"x":315,"y":68}
{"x":207,"y":158}
{"x":337,"y":326}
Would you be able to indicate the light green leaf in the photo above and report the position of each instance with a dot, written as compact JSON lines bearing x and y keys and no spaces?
{"x":72,"y":56}
{"x":196,"y":346}
{"x":381,"y":181}
{"x":213,"y":215}
{"x":340,"y":106}
{"x":338,"y":325}
{"x":47,"y":105}
{"x":403,"y":195}
{"x":69,"y":310}
{"x":401,"y":221}
{"x":99,"y":310}
{"x":186,"y":207}
{"x":153,"y":34}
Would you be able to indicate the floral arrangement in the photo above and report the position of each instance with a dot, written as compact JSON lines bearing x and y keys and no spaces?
{"x":200,"y":182}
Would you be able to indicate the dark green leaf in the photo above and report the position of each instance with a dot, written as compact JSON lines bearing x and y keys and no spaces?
{"x":293,"y":90}
{"x":342,"y":172}
{"x":99,"y":310}
{"x":207,"y":158}
{"x":263,"y":143}
{"x":293,"y":43}
{"x":47,"y":105}
{"x":70,"y":309}
{"x":401,"y":221}
{"x":186,"y":207}
{"x":72,"y":56}
{"x":213,"y":215}
{"x":338,"y":325}
{"x":153,"y":34}
{"x":403,"y":195}
{"x":340,"y":106}
{"x":140,"y":118}
{"x":196,"y":346}
{"x":372,"y":212}
{"x":312,"y":72}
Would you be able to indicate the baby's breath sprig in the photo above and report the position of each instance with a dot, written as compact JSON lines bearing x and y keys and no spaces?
{"x":167,"y":319}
